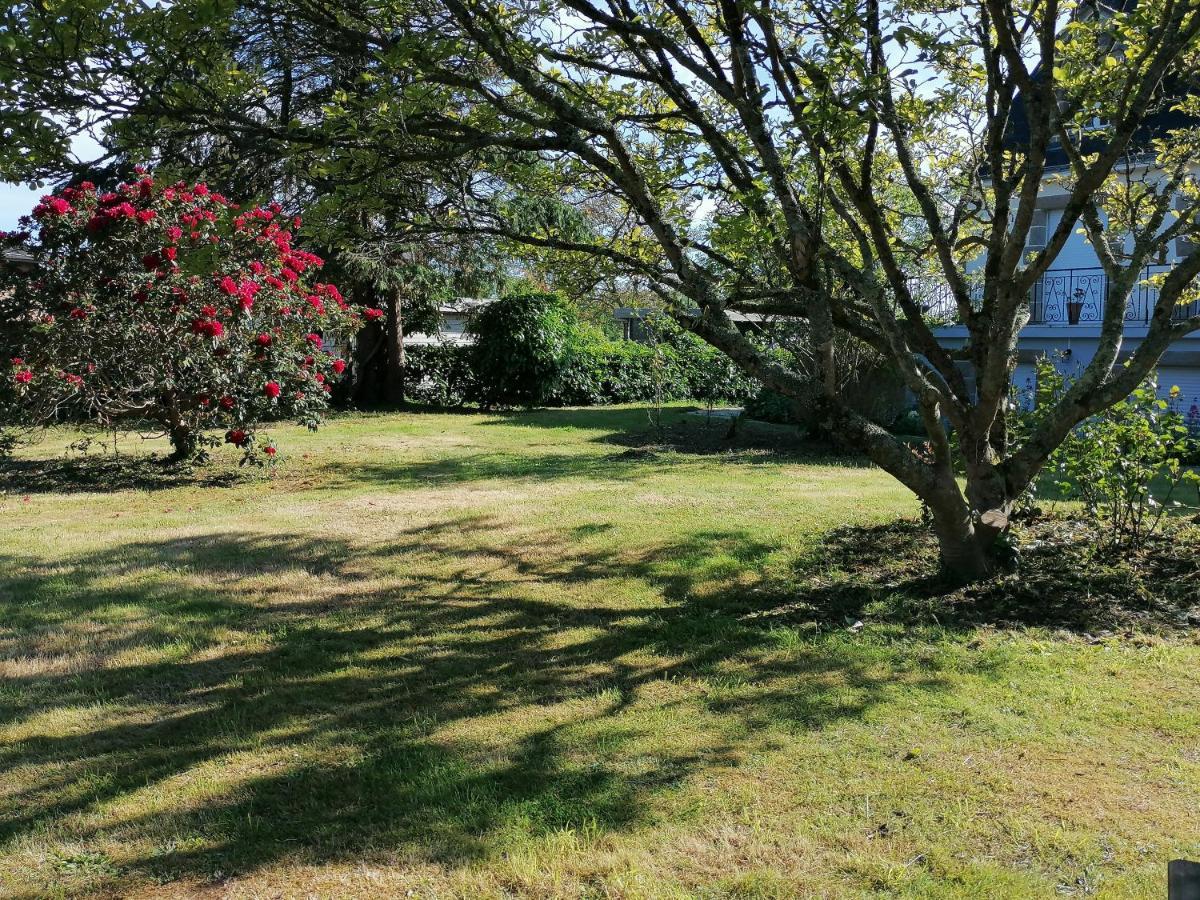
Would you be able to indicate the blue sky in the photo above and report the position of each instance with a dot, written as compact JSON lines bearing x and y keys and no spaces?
{"x":15,"y":201}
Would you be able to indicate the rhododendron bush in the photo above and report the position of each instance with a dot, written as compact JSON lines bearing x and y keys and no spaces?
{"x":166,"y":307}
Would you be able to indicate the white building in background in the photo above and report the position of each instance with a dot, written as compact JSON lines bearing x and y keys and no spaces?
{"x":1067,"y":304}
{"x":454,"y":327}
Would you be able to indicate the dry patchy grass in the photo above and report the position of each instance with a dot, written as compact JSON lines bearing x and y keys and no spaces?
{"x":475,"y":656}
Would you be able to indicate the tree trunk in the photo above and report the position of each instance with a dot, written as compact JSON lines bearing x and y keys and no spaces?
{"x":394,"y":388}
{"x":966,"y":552}
{"x":182,"y":436}
{"x":183,"y":444}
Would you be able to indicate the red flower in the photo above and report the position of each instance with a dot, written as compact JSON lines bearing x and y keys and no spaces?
{"x":23,"y":377}
{"x":170,"y":253}
{"x":77,"y":312}
{"x":18,"y":361}
{"x":270,"y":451}
{"x":313,"y":338}
{"x":210,"y":327}
{"x":339,"y":366}
{"x":246,"y":293}
{"x":237,"y":437}
{"x":263,"y":340}
{"x":271,"y":389}
{"x":58,"y":206}
{"x":146,"y":216}
{"x":373,"y":314}
{"x":174,"y":233}
{"x":226,"y":402}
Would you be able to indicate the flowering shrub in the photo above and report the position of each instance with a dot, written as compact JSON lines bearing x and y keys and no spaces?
{"x":1126,"y":464}
{"x":170,"y":307}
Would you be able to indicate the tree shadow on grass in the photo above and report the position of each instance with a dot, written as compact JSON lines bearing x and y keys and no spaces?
{"x":684,"y":430}
{"x":637,"y":451}
{"x":95,"y":474}
{"x":889,"y":574}
{"x":239,"y":719}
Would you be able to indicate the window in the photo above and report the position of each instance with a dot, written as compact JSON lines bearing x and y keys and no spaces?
{"x":1037,"y":230}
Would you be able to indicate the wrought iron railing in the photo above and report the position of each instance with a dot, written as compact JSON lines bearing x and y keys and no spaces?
{"x":1060,"y":297}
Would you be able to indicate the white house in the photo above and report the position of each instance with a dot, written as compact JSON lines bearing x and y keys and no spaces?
{"x":453,"y":326}
{"x":1067,"y":304}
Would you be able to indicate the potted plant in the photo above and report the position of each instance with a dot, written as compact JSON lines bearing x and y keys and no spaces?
{"x":1075,"y":307}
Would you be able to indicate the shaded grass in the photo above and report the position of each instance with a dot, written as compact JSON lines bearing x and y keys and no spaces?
{"x":491,"y":656}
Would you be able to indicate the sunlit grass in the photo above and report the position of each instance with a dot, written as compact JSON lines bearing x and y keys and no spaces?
{"x":473,"y":655}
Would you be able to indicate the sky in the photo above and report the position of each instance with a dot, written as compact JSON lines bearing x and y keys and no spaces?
{"x":16,"y":200}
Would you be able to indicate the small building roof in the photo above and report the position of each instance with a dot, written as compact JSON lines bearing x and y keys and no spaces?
{"x":18,"y":259}
{"x":633,"y":312}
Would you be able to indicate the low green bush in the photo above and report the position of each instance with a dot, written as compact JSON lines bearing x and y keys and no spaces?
{"x":535,"y":353}
{"x":1126,"y":465}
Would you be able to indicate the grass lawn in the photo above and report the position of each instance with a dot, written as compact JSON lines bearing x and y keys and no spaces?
{"x":480,"y":656}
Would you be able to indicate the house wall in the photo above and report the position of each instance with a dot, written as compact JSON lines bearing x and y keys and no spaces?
{"x":1072,"y":347}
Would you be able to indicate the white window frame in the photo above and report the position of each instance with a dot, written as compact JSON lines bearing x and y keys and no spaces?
{"x":1039,"y":224}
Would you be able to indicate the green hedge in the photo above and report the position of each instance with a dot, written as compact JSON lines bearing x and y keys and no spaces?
{"x":439,"y":375}
{"x":594,"y":370}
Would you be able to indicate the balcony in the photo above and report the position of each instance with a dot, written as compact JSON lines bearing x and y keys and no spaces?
{"x":1062,"y":297}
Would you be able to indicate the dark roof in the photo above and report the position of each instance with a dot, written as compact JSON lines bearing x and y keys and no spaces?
{"x":1162,"y":119}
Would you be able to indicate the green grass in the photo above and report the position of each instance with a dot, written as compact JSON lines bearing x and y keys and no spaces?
{"x":484,"y":656}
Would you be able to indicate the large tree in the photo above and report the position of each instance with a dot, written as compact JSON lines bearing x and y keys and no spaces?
{"x":826,"y":161}
{"x":851,"y":152}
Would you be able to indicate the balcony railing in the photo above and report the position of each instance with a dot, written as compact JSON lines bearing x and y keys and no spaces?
{"x":1061,"y":297}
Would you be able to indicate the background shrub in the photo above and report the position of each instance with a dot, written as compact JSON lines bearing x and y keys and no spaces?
{"x":532,"y":350}
{"x":521,"y":349}
{"x":439,"y":375}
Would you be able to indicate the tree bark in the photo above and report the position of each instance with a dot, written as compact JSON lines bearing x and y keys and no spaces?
{"x":183,"y":443}
{"x":966,"y":551}
{"x":182,"y":436}
{"x":394,"y":389}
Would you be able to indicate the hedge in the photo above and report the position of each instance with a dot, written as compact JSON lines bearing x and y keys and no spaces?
{"x":595,"y":371}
